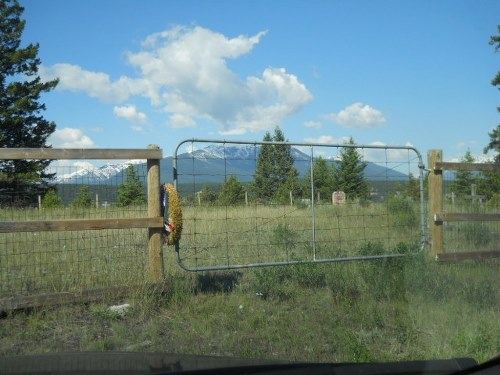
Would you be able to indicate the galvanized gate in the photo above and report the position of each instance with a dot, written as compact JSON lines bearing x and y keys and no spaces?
{"x":243,"y":206}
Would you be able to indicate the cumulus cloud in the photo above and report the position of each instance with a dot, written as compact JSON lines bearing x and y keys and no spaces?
{"x":184,"y":72}
{"x":70,"y":138}
{"x":130,"y":113}
{"x":181,"y":121}
{"x":95,"y":84}
{"x":327,"y":139}
{"x":313,"y":124}
{"x":358,"y":115}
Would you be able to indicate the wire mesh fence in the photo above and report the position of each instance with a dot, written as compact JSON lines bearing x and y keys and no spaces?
{"x":35,"y":261}
{"x":334,"y":203}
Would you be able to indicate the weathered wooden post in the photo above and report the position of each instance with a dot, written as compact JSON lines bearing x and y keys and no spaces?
{"x":154,"y":210}
{"x":435,"y":202}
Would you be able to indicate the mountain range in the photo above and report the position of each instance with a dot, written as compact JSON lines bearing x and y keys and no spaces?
{"x":210,"y":164}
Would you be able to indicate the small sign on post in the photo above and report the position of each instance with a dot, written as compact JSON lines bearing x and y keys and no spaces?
{"x":338,"y":198}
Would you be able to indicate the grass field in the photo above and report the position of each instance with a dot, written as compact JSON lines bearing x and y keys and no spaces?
{"x":397,"y":309}
{"x":392,"y":309}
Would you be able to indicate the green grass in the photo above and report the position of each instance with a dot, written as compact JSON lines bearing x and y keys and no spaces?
{"x":410,"y":308}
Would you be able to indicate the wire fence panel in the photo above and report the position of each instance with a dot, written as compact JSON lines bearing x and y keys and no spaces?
{"x":33,"y":262}
{"x":239,"y":213}
{"x":471,"y":209}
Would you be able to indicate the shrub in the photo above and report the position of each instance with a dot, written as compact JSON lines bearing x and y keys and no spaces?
{"x":284,"y":237}
{"x":274,"y":282}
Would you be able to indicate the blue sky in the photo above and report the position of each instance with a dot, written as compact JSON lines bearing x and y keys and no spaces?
{"x":158,"y":71}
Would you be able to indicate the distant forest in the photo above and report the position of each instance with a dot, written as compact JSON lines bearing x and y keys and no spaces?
{"x":109,"y":193}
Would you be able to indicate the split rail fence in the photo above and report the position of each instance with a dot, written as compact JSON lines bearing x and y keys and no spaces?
{"x":37,"y":258}
{"x":475,"y":226}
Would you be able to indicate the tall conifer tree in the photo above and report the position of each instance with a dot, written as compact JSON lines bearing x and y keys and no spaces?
{"x":264,"y":184}
{"x":275,"y":175}
{"x":21,"y":121}
{"x":349,"y":176}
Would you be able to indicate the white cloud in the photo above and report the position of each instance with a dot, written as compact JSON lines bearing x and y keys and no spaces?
{"x":357,"y":115}
{"x":313,"y":124}
{"x":327,"y":139}
{"x":95,"y":84}
{"x":70,"y":138}
{"x":130,"y":113}
{"x":184,"y":72}
{"x":181,"y":121}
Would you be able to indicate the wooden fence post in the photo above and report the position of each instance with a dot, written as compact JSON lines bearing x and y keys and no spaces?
{"x":435,"y":202}
{"x":154,"y":210}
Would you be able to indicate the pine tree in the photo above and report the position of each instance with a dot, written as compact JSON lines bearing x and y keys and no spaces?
{"x":461,"y":186}
{"x":349,"y":175}
{"x":489,"y":185}
{"x":132,"y":192}
{"x":21,"y":122}
{"x":51,"y":200}
{"x":232,"y":192}
{"x":83,"y":198}
{"x":323,"y":180}
{"x":275,"y":175}
{"x":264,"y":185}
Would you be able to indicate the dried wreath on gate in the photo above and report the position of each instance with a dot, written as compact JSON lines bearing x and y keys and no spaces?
{"x":172,"y":214}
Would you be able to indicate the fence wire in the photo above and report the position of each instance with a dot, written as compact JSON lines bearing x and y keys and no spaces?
{"x":43,"y":262}
{"x":229,"y":222}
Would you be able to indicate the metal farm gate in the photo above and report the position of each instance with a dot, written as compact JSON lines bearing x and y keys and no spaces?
{"x":328,"y":209}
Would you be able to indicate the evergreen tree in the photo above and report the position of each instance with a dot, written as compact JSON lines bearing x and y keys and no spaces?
{"x":284,"y":169}
{"x":264,"y":184}
{"x":490,"y":183}
{"x":52,"y":200}
{"x":275,"y":175}
{"x":349,"y":175}
{"x":461,"y":186}
{"x":232,"y":192}
{"x":132,"y":192}
{"x":323,"y":178}
{"x":21,"y":122}
{"x":83,"y":198}
{"x":495,"y":41}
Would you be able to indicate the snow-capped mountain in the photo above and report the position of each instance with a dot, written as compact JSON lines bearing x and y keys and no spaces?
{"x":236,"y":152}
{"x":91,"y":174}
{"x":223,"y":152}
{"x":209,"y":164}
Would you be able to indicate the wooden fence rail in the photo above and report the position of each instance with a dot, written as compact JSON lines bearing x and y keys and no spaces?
{"x":437,"y":216}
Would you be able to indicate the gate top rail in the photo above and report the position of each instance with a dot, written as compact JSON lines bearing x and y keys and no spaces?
{"x":79,"y":153}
